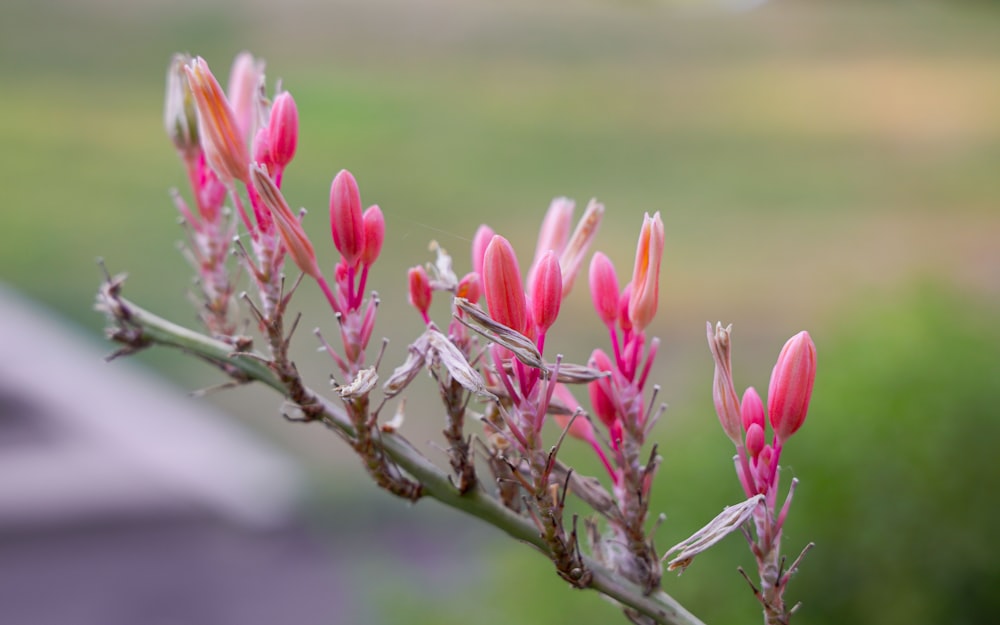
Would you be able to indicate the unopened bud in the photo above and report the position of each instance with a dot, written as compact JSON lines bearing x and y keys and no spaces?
{"x":646,"y":274}
{"x":469,"y":287}
{"x":572,"y":256}
{"x":283,"y":129}
{"x":346,"y":220}
{"x":246,"y":82}
{"x":554,"y":231}
{"x":727,"y":403}
{"x":791,"y":385}
{"x":503,"y":287}
{"x":755,"y":440}
{"x":604,"y":288}
{"x":224,"y":144}
{"x":546,"y":292}
{"x":751,"y":409}
{"x":292,"y":235}
{"x":179,"y":115}
{"x":419,"y":291}
{"x":481,"y":240}
{"x":374,"y":224}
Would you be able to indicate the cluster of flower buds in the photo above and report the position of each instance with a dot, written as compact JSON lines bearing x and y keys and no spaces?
{"x":214,"y":132}
{"x":744,"y":422}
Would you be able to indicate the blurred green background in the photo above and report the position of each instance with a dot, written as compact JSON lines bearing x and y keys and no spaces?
{"x":825,"y":166}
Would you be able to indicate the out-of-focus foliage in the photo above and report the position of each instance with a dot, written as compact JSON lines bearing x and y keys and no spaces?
{"x":899,"y":466}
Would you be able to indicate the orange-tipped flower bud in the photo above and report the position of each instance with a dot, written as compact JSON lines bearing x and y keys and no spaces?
{"x":484,"y":234}
{"x":603,"y":405}
{"x":224,"y":144}
{"x":179,"y":115}
{"x":469,"y":287}
{"x":289,"y":227}
{"x":791,"y":385}
{"x":419,"y":290}
{"x":283,"y":129}
{"x":374,"y":234}
{"x":604,"y":288}
{"x":646,"y":275}
{"x":346,"y":220}
{"x":546,"y":291}
{"x":502,"y":285}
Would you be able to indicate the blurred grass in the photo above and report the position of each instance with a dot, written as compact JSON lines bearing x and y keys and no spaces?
{"x":805,"y":156}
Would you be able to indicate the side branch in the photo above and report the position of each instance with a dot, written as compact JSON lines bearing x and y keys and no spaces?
{"x":136,"y":328}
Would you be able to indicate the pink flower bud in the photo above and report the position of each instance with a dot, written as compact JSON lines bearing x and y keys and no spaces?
{"x":283,"y":129}
{"x":484,"y":234}
{"x":546,"y":292}
{"x":646,"y":274}
{"x":374,"y":234}
{"x":553,"y":233}
{"x":289,"y":227}
{"x":224,"y":145}
{"x":262,"y":149}
{"x":420,"y":291}
{"x":604,"y":288}
{"x":502,"y":285}
{"x":346,"y":220}
{"x":751,"y":409}
{"x":576,"y":249}
{"x":600,"y":401}
{"x":469,"y":287}
{"x":179,"y":115}
{"x":246,"y":79}
{"x":755,"y":440}
{"x":791,"y":385}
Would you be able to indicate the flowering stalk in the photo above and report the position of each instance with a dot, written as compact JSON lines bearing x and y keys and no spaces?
{"x":237,"y":145}
{"x":756,"y":460}
{"x":619,"y":400}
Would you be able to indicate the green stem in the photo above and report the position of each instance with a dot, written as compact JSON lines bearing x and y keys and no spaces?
{"x":658,"y":606}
